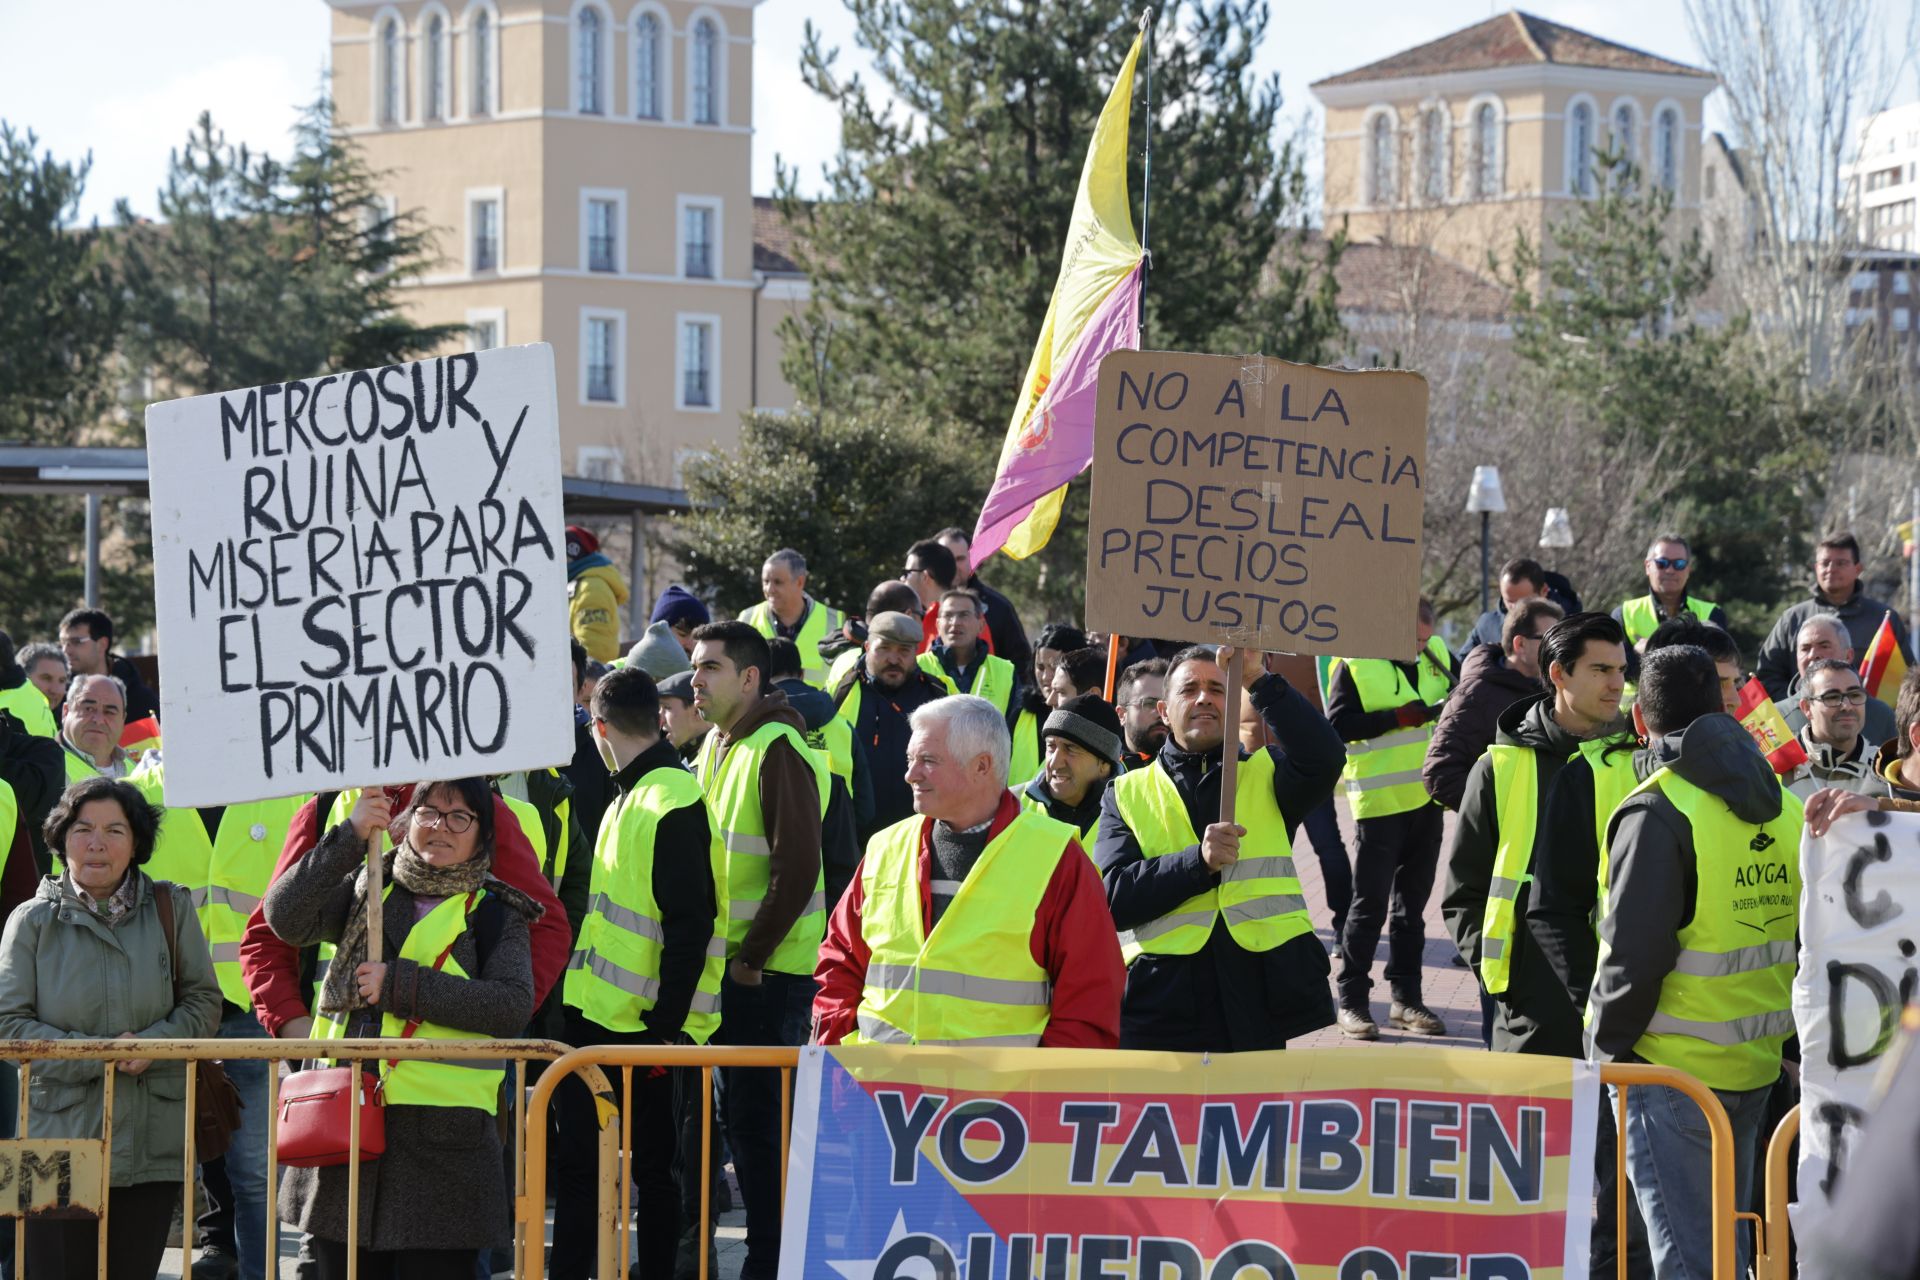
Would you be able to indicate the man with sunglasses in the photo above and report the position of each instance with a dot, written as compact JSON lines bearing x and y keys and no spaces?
{"x":1669,"y":565}
{"x":1834,"y":703}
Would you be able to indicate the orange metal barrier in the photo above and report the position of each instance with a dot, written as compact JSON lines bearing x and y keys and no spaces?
{"x":1776,"y":1263}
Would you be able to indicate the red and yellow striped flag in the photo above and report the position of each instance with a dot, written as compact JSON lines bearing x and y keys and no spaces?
{"x":1882,"y":667}
{"x":1761,"y":718}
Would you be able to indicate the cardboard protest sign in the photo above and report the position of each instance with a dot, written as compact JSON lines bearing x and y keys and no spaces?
{"x":1859,"y":926}
{"x":361,"y":579}
{"x":1253,"y":501}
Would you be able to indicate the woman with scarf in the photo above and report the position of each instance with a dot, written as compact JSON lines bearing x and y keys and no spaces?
{"x":459,"y":967}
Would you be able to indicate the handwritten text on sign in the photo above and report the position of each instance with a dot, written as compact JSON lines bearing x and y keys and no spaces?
{"x":361,"y":578}
{"x":1249,"y":499}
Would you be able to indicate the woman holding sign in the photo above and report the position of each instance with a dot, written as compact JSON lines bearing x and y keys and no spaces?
{"x":461,"y":970}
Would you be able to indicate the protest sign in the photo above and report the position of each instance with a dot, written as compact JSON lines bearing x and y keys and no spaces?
{"x":1247,"y":500}
{"x":1045,"y":1164}
{"x":1859,"y":926}
{"x":361,"y":579}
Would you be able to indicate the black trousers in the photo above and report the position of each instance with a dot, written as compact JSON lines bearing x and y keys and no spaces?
{"x":1393,"y":867}
{"x":138,"y":1219}
{"x":1603,"y":1260}
{"x":396,"y":1264}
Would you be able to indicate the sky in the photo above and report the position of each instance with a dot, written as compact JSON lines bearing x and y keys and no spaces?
{"x":254,"y":62}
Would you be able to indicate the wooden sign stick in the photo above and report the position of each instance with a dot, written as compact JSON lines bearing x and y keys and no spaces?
{"x":376,"y":907}
{"x":1230,"y":739}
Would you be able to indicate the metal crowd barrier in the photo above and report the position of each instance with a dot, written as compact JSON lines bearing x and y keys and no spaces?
{"x":1777,"y":1262}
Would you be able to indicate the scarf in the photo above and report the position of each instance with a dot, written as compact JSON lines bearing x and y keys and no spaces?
{"x":341,"y":994}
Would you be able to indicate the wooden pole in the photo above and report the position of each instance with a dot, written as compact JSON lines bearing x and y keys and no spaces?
{"x":1230,"y":735}
{"x":376,"y":912}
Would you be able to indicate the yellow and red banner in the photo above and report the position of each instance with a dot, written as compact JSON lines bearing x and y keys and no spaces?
{"x":1882,"y":666}
{"x":1054,"y":1164}
{"x":1760,"y":716}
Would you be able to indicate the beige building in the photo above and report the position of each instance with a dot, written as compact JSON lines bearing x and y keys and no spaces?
{"x":1459,"y":144}
{"x":586,"y":165}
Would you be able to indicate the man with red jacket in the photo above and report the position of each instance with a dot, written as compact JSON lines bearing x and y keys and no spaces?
{"x":970,"y":888}
{"x":272,"y":968}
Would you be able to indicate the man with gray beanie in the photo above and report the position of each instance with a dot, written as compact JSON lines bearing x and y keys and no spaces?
{"x":1082,"y":743}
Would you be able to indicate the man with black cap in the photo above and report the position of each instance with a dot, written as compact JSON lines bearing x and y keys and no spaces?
{"x":595,"y":593}
{"x":1082,"y":755}
{"x":876,"y":697}
{"x":678,"y":720}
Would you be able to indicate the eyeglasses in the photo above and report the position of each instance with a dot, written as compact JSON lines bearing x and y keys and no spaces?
{"x":1833,"y":699}
{"x":1142,"y":704}
{"x":1678,"y":562}
{"x":456,"y":820}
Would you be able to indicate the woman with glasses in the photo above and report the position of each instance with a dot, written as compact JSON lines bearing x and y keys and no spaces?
{"x":456,"y":965}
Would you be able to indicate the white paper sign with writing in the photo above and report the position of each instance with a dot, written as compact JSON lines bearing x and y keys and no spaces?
{"x":1859,"y":929}
{"x":361,"y":579}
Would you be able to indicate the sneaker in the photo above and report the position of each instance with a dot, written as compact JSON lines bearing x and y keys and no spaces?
{"x":1417,"y":1018}
{"x":215,"y":1263}
{"x":1357,"y":1024}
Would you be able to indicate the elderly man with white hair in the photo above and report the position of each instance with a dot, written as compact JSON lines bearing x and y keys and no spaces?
{"x":1825,"y":635}
{"x":974,"y":921}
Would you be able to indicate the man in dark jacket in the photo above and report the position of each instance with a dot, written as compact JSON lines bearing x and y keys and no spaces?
{"x":1492,"y":678}
{"x":86,"y":637}
{"x":876,"y":697}
{"x":592,"y":790}
{"x":839,"y":842}
{"x":1081,"y":742}
{"x":1837,"y":590}
{"x":1221,"y":997}
{"x":1521,"y":578}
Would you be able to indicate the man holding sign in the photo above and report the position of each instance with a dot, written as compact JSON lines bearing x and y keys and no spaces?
{"x":1221,"y":955}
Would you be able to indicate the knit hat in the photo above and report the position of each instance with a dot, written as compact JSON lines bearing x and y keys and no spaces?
{"x":677,"y":604}
{"x":658,"y":653}
{"x":678,"y":685}
{"x":580,"y":542}
{"x":1090,"y":721}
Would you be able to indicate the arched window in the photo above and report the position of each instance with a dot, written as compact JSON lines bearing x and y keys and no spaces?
{"x":1380,"y":159}
{"x":1666,"y":148}
{"x":1580,"y":149}
{"x":1433,"y":154}
{"x":1623,"y":139}
{"x":480,"y":77}
{"x":590,"y":95}
{"x":435,"y":57}
{"x":646,"y":66}
{"x":704,"y":85}
{"x":392,"y":73}
{"x":1486,"y":151}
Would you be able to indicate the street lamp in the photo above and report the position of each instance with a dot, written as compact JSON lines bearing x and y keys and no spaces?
{"x":1557,"y":530}
{"x":1484,"y":496}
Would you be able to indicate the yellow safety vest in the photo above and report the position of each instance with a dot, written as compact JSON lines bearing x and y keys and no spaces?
{"x":181,"y":851}
{"x":1641,"y":618}
{"x":1024,"y":764}
{"x":842,"y":663}
{"x":1383,"y":773}
{"x":993,"y":679}
{"x":245,"y":848}
{"x":733,"y":792}
{"x":530,"y":826}
{"x":1259,"y":897}
{"x":1516,"y":795}
{"x":1613,"y":781}
{"x":29,"y":706}
{"x":833,"y":742}
{"x":973,"y":980}
{"x":820,"y":623}
{"x":1726,"y":1008}
{"x":613,"y":977}
{"x":9,"y":821}
{"x":416,"y":1081}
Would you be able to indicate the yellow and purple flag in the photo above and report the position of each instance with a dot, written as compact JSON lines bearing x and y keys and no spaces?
{"x":1095,"y":309}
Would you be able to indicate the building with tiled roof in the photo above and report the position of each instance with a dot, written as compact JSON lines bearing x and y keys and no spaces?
{"x":1463,"y":142}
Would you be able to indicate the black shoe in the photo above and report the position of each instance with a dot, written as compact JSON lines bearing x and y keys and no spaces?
{"x":1357,"y":1024}
{"x":215,"y":1263}
{"x":1417,"y":1018}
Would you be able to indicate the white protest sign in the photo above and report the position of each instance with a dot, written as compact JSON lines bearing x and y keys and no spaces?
{"x":361,"y":579}
{"x":1859,"y":926}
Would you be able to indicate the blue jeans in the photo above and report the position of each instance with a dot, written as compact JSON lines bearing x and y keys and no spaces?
{"x":777,"y":1012}
{"x":1669,"y":1162}
{"x":247,"y":1157}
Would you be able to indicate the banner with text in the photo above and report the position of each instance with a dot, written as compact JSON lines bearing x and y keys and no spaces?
{"x":361,"y":579}
{"x":1859,"y":925}
{"x":1246,"y":500}
{"x":1047,"y":1164}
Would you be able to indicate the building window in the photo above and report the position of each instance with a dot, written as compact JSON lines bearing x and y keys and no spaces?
{"x":1380,"y":159}
{"x":696,"y":364}
{"x":1901,"y":284}
{"x":435,"y":57}
{"x":1580,"y":149}
{"x":697,"y":241}
{"x":603,"y":235}
{"x":1902,"y":320}
{"x":1864,"y":282}
{"x":486,"y":234}
{"x":1433,"y":154}
{"x":600,"y":462}
{"x":590,"y":37}
{"x":483,"y":335}
{"x":1486,"y":151}
{"x":392,"y":73}
{"x":704,"y":86}
{"x":1666,"y":148}
{"x":480,"y":78}
{"x":646,"y":66}
{"x":603,"y":334}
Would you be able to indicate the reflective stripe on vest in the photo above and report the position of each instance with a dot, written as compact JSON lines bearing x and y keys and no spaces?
{"x":246,"y":844}
{"x":1383,"y":773}
{"x":1640,"y":618}
{"x":1259,"y":898}
{"x":993,"y":679}
{"x":819,"y":624}
{"x":416,"y":1081}
{"x":973,"y":980}
{"x":732,"y":788}
{"x":1516,"y":795}
{"x":1726,"y":1008}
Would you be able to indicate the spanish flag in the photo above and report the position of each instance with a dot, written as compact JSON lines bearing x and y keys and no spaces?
{"x":1761,"y":718}
{"x":1095,"y":309}
{"x":1881,"y":667}
{"x":139,"y":737}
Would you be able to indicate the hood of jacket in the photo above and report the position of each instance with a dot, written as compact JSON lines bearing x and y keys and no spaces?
{"x":1886,"y":764}
{"x":1530,"y":723}
{"x":814,"y":706}
{"x":1717,"y":755}
{"x":1486,"y":664}
{"x":773,"y":707}
{"x":598,"y":566}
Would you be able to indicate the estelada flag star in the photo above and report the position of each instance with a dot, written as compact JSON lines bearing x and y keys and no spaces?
{"x":1095,"y":309}
{"x":1763,"y":720}
{"x":1882,"y":667}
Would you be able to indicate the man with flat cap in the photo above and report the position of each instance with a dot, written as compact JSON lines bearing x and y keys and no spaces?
{"x":876,"y":697}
